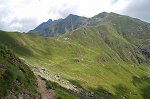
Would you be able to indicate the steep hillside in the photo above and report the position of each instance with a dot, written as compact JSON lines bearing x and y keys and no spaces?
{"x":96,"y":59}
{"x":134,"y":30}
{"x":96,"y":55}
{"x":16,"y":79}
{"x":105,"y":35}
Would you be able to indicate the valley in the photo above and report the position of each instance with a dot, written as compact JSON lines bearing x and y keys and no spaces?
{"x":107,"y":56}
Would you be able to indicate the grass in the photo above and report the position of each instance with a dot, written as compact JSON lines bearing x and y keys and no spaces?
{"x":15,"y":75}
{"x":60,"y":92}
{"x":97,"y":57}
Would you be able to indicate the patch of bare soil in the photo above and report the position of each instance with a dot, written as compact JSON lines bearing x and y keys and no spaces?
{"x":45,"y":93}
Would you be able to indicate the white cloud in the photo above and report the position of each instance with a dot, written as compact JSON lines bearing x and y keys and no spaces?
{"x":23,"y":15}
{"x":16,"y":26}
{"x":2,"y":6}
{"x":92,"y":7}
{"x":119,"y":6}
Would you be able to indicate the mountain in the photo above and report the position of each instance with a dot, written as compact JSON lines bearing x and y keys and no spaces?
{"x":73,"y":22}
{"x":133,"y":30}
{"x":106,"y":56}
{"x":65,"y":25}
{"x":44,"y":25}
{"x":68,"y":24}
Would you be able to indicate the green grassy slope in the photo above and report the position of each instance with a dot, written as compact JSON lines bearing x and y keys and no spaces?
{"x":94,"y":57}
{"x":15,"y":77}
{"x":134,"y":30}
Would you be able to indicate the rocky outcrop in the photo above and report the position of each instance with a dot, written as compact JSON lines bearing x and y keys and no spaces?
{"x":56,"y":77}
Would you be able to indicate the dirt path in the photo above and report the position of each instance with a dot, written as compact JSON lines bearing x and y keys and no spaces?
{"x":45,"y":93}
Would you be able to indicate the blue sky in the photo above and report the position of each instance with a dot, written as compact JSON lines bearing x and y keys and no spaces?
{"x":24,"y":15}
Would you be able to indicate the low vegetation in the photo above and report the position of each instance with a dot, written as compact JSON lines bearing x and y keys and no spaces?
{"x":100,"y":58}
{"x":61,"y":93}
{"x":15,"y":76}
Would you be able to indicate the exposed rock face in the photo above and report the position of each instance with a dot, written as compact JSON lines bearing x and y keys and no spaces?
{"x":144,"y":51}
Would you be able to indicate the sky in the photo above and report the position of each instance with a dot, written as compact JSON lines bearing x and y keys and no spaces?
{"x":24,"y":15}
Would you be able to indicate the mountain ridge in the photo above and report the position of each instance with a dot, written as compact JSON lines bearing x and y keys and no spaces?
{"x":67,"y":22}
{"x":108,"y":57}
{"x":45,"y":25}
{"x":72,"y":22}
